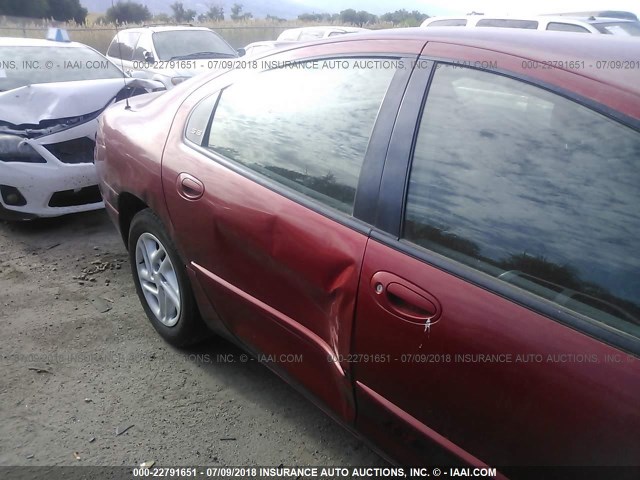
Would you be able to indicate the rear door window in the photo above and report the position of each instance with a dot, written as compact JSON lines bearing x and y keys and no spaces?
{"x":306,"y":127}
{"x":531,"y":188}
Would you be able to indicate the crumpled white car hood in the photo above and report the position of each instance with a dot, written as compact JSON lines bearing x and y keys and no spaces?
{"x":49,"y":101}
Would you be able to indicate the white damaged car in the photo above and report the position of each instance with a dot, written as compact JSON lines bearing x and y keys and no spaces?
{"x":51,"y":94}
{"x":170,"y":54}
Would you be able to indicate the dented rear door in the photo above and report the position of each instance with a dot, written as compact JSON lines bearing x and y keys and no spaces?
{"x":277,"y":247}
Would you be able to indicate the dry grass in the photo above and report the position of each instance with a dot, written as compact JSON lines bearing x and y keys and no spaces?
{"x":238,"y":34}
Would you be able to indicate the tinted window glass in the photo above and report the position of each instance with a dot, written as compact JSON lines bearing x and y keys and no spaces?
{"x":507,"y":23}
{"x":113,"y":50}
{"x":307,"y":128}
{"x":143,"y":45}
{"x":122,"y":46}
{"x":455,"y":22}
{"x":566,"y":27}
{"x":631,"y":29}
{"x":177,"y":44}
{"x":532,"y":188}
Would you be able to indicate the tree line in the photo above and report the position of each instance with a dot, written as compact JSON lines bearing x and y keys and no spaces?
{"x":132,"y":12}
{"x":60,"y":10}
{"x":363,"y":18}
{"x":126,"y":11}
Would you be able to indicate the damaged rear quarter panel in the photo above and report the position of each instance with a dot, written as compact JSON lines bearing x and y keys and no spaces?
{"x":133,"y":152}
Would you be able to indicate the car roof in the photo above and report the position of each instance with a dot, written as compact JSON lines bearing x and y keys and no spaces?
{"x":590,"y":20}
{"x":535,"y":18}
{"x":541,"y":47}
{"x":617,"y":14}
{"x":514,"y":41}
{"x":163,"y":28}
{"x":271,"y":43}
{"x":323,"y":28}
{"x":37,"y":42}
{"x":605,"y":20}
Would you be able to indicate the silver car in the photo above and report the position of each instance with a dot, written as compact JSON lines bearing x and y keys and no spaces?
{"x":168,"y":54}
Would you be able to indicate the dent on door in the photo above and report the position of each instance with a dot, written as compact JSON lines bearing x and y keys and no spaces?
{"x":282,"y":277}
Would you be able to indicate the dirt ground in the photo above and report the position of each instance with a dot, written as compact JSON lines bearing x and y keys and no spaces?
{"x":80,"y":363}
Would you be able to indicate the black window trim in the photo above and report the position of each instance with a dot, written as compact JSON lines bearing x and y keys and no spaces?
{"x":365,"y":202}
{"x":393,"y":196}
{"x":395,"y":173}
{"x":369,"y":183}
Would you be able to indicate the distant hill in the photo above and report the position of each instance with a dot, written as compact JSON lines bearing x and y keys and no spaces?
{"x":280,"y":8}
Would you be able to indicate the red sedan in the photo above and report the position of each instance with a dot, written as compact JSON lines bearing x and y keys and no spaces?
{"x":433,"y":233}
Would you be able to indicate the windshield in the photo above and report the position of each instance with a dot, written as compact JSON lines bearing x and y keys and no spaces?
{"x":619,"y":28}
{"x":20,"y":66}
{"x":175,"y":44}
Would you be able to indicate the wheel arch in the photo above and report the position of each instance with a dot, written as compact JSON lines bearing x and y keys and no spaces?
{"x":128,"y":206}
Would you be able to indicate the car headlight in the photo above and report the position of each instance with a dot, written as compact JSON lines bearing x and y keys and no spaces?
{"x":15,"y":149}
{"x":177,"y":80}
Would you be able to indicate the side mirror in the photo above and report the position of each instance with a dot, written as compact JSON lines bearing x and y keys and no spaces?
{"x":241,"y":52}
{"x":148,"y":57}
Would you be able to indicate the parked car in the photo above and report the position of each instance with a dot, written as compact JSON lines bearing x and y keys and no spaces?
{"x":305,"y":34}
{"x":356,"y":222}
{"x":51,"y":94}
{"x":600,"y":13}
{"x":559,"y":23}
{"x":259,"y":48}
{"x":168,"y":54}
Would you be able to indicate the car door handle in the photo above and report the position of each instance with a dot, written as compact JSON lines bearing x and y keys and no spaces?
{"x":189,"y":187}
{"x":404,"y":299}
{"x":408,"y":303}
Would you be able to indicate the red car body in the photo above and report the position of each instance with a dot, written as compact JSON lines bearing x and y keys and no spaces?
{"x":284,"y":276}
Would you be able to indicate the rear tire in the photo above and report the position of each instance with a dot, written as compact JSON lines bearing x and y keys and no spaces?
{"x":162,"y":283}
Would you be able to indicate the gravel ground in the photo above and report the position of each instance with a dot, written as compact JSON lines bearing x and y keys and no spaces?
{"x":80,"y":363}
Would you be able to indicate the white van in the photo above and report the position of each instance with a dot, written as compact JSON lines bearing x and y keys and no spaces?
{"x":558,"y":23}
